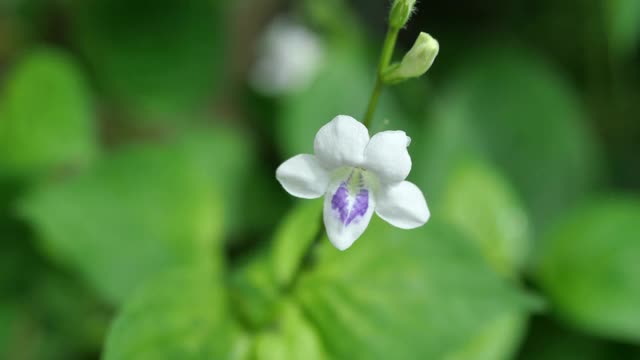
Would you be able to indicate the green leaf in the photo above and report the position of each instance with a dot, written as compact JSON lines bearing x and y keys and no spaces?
{"x":498,"y":339}
{"x":292,"y":239}
{"x":47,"y":115}
{"x":259,"y":282}
{"x":156,"y":60}
{"x":254,"y":291}
{"x":623,"y":20}
{"x":507,"y":107}
{"x":228,"y":158}
{"x":291,"y":338}
{"x":342,"y":87}
{"x":588,"y":267}
{"x":180,"y":315}
{"x":403,"y":294}
{"x":138,"y":213}
{"x":483,"y":205}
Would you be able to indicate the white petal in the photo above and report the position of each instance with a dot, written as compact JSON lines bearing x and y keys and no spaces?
{"x":348,"y":207}
{"x":402,"y":205}
{"x":387,"y":156}
{"x":341,"y":142}
{"x":303,"y":176}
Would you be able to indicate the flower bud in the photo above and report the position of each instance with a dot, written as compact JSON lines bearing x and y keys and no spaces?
{"x":400,"y":13}
{"x":416,"y":62}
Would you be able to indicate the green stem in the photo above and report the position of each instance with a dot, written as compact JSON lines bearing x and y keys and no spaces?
{"x":385,"y":59}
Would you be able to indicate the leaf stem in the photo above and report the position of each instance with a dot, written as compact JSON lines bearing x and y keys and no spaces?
{"x":385,"y":59}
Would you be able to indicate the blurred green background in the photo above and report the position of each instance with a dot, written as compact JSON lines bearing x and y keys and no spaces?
{"x":140,"y":217}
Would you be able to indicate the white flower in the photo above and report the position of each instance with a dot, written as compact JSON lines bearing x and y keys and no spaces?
{"x":289,"y":57}
{"x":358,"y":175}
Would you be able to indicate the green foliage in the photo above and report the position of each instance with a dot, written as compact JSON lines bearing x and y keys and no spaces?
{"x":291,"y":338}
{"x":258,"y":282}
{"x":139,"y":212}
{"x":530,"y":124}
{"x":228,"y":158}
{"x":293,"y":238}
{"x":403,"y":295}
{"x":483,"y":205}
{"x":498,"y":339}
{"x":623,"y":25}
{"x":156,"y":60}
{"x":589,"y":268}
{"x":176,"y":228}
{"x":181,"y":315}
{"x":254,"y":291}
{"x":47,"y":115}
{"x":549,"y":341}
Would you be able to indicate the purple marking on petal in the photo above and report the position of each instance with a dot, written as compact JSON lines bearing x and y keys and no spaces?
{"x":348,"y":211}
{"x":360,"y":206}
{"x":340,"y":202}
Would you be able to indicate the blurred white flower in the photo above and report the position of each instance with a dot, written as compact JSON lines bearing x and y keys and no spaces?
{"x":288,"y":58}
{"x":357,"y":175}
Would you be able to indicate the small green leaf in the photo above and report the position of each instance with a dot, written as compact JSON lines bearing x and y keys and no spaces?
{"x":588,"y":267}
{"x":47,"y":115}
{"x":291,"y":338}
{"x":139,"y":212}
{"x":180,"y":315}
{"x":483,"y":205}
{"x":293,"y":238}
{"x":403,"y":294}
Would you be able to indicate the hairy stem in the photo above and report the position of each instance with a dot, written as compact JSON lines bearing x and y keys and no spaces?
{"x":385,"y":59}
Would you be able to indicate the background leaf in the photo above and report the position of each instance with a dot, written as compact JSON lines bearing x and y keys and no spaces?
{"x":531,"y":125}
{"x":483,"y":205}
{"x":180,"y":315}
{"x":588,"y":267}
{"x":292,"y":239}
{"x":291,"y":338}
{"x":47,"y":115}
{"x":403,"y":294}
{"x":153,"y":58}
{"x":498,"y":339}
{"x":140,"y":212}
{"x":623,"y":25}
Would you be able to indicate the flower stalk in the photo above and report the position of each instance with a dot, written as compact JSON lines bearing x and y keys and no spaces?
{"x":385,"y":60}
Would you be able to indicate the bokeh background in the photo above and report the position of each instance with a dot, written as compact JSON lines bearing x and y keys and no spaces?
{"x":140,"y":217}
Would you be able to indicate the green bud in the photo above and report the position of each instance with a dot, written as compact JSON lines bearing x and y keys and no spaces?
{"x":416,"y":62}
{"x":400,"y":13}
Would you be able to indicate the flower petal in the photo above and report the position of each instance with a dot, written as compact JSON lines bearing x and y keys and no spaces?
{"x":402,"y":205}
{"x":303,"y":176}
{"x":387,"y":156}
{"x":341,"y":142}
{"x":348,"y":207}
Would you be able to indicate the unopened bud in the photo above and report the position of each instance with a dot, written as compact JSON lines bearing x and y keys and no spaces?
{"x":400,"y":13}
{"x":416,"y":62}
